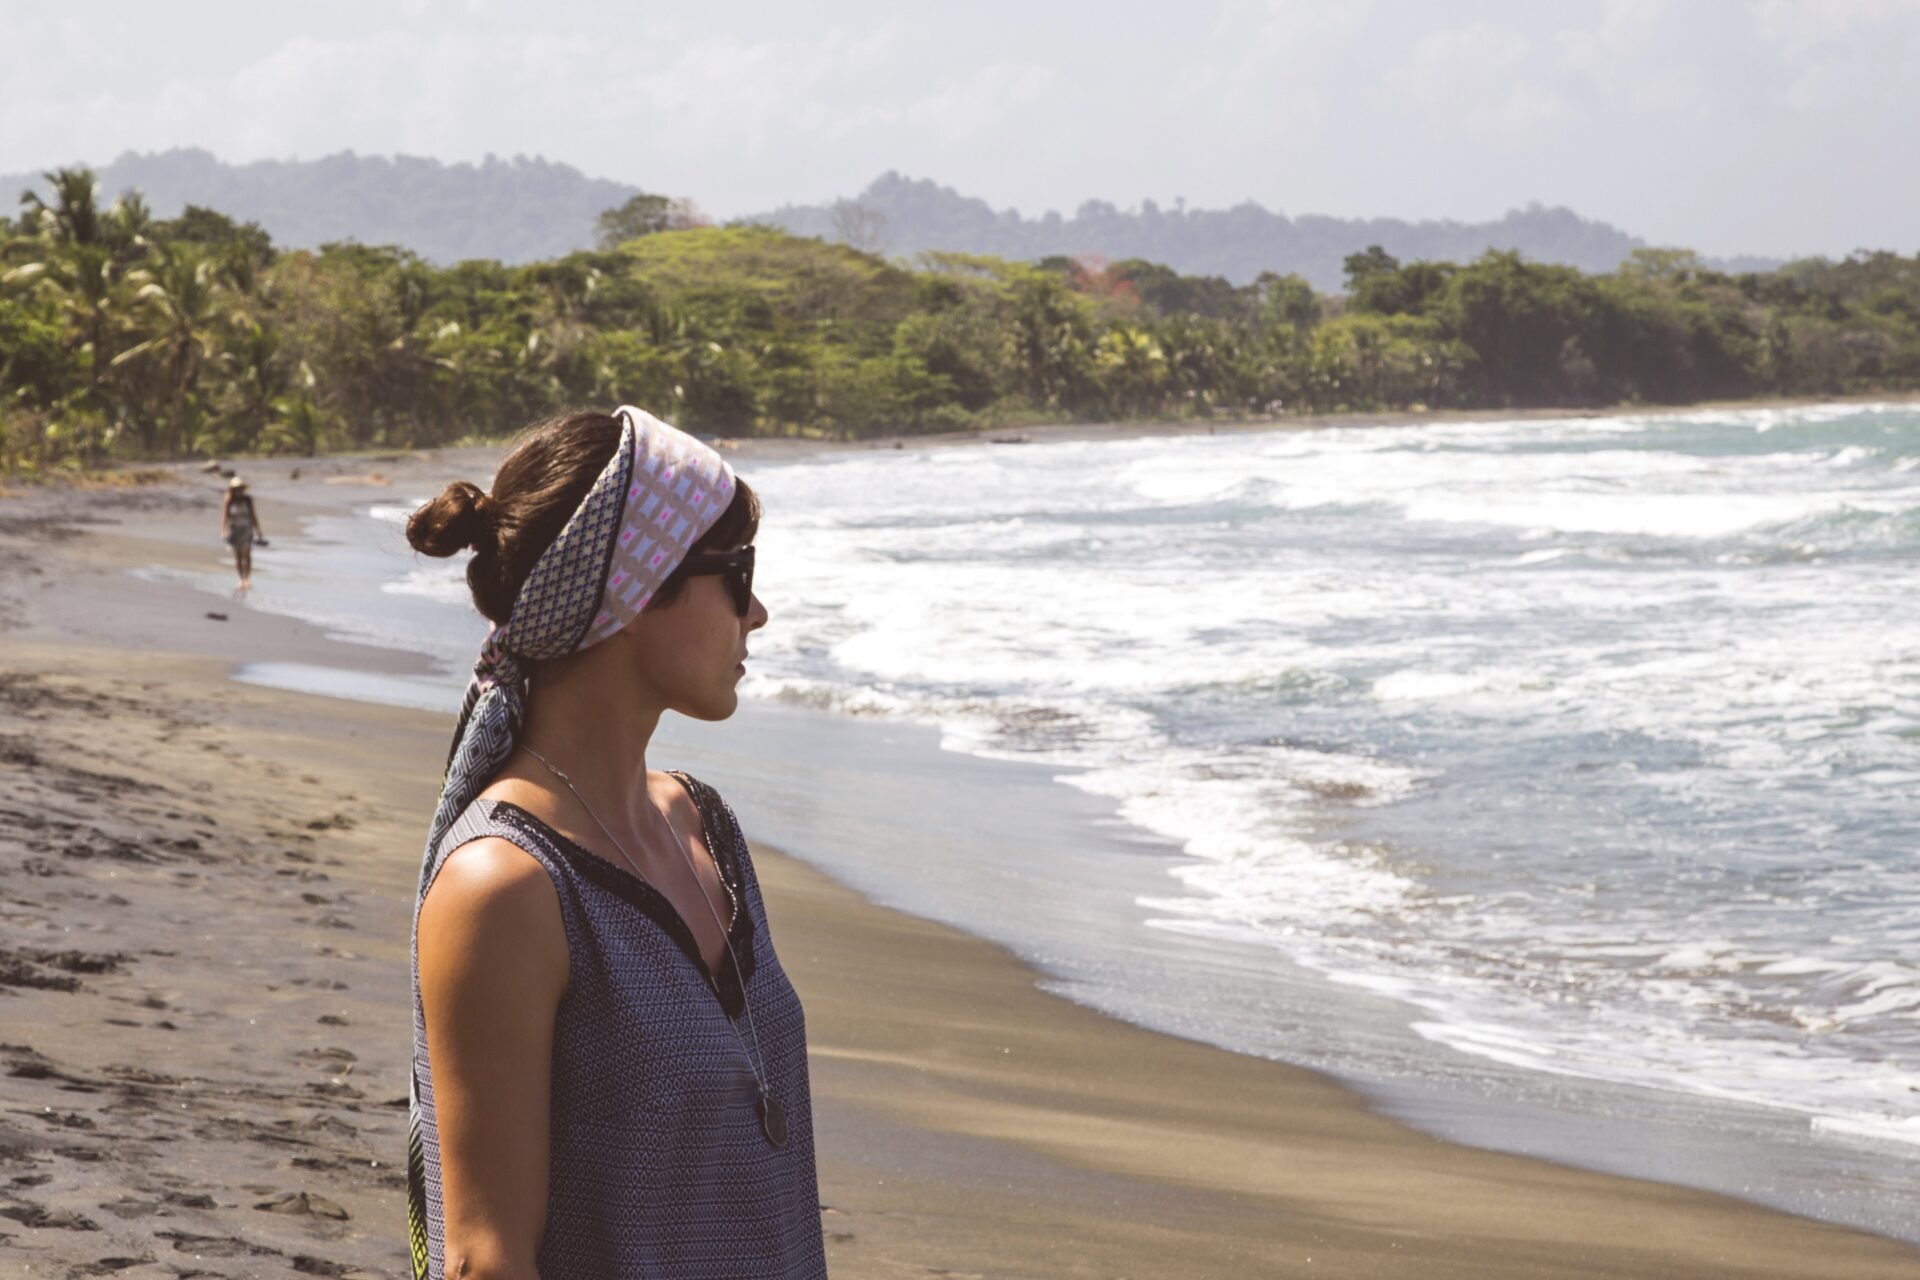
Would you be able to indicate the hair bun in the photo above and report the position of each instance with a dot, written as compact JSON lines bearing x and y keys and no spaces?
{"x":459,"y":518}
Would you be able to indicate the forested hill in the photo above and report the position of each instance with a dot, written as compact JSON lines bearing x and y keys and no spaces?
{"x":898,"y":215}
{"x":517,"y":210}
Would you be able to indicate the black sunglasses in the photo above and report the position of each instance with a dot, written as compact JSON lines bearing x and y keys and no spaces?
{"x":736,"y":567}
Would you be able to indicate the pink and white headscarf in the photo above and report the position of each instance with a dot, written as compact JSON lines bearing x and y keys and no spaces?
{"x":676,"y":488}
{"x":657,"y":495}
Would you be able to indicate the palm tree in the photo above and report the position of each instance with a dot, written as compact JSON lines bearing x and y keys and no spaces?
{"x":87,"y":292}
{"x":1369,"y":356}
{"x":78,"y":255}
{"x":74,"y":215}
{"x":126,"y":226}
{"x":1199,"y":353}
{"x":1132,"y":367}
{"x":178,"y":296}
{"x":1049,"y":341}
{"x":298,"y":423}
{"x":256,"y":378}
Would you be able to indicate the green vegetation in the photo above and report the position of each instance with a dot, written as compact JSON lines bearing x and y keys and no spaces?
{"x":643,"y":215}
{"x":122,"y":335}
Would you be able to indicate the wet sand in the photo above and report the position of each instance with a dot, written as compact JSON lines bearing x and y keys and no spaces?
{"x":203,"y":1003}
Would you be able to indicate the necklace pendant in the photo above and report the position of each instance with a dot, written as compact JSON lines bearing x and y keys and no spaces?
{"x":773,"y":1119}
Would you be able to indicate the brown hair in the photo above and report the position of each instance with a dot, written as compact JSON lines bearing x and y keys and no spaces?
{"x":540,"y":484}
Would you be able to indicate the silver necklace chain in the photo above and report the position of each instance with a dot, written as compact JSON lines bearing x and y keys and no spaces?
{"x":759,"y":1077}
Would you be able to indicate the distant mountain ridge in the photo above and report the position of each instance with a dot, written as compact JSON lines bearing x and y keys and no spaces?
{"x":518,"y":210}
{"x":901,"y":215}
{"x":528,"y":209}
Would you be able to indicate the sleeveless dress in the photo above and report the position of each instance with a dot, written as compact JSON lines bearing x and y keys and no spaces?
{"x":240,"y":522}
{"x":657,"y":1164}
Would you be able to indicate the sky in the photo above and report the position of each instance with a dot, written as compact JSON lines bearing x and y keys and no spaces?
{"x":1775,"y":127}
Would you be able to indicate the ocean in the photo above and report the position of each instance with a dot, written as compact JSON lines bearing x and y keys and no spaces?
{"x":1579,"y":750}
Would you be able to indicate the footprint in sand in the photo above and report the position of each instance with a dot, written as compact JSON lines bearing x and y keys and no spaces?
{"x":215,"y":1246}
{"x":107,"y":1266}
{"x":131,"y":1207}
{"x":303,"y":1202}
{"x":331,"y":1059}
{"x":39,"y":1215}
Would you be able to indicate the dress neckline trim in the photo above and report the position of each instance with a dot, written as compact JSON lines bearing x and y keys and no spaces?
{"x":726,"y":983}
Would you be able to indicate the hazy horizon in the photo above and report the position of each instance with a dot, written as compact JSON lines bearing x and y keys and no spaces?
{"x":1728,"y":126}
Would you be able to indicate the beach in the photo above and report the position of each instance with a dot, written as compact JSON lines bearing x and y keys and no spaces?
{"x":207,"y":887}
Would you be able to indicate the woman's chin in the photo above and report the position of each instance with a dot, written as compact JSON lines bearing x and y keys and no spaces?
{"x":720,"y":706}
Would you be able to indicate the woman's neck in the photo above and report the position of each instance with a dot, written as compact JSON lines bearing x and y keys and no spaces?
{"x":596,"y":733}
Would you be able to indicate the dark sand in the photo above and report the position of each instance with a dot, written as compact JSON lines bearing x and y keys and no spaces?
{"x":203,"y":1004}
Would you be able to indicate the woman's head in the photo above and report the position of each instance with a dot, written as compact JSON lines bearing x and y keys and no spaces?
{"x":539,"y":486}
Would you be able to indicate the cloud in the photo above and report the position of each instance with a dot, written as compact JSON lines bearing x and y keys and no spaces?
{"x":972,"y":107}
{"x":1479,"y":85}
{"x":1843,"y":56}
{"x":1799,"y":28}
{"x":1651,"y":60}
{"x":455,"y":91}
{"x":1678,"y":119}
{"x":756,"y":95}
{"x":1259,"y":55}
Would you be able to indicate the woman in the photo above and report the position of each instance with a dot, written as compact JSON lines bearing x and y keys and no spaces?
{"x":240,"y":528}
{"x":610,"y":1073}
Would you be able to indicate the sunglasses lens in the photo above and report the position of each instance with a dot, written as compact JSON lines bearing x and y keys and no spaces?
{"x":741,"y":580}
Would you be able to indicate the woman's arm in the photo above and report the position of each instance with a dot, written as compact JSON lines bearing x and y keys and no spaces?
{"x":226,"y":504}
{"x":493,"y":966}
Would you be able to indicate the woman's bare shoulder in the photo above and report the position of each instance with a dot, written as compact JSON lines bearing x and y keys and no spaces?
{"x":491,"y":867}
{"x":491,"y":885}
{"x":491,"y":922}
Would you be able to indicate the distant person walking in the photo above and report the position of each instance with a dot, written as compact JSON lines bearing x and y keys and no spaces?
{"x":240,"y":529}
{"x":609,"y":1064}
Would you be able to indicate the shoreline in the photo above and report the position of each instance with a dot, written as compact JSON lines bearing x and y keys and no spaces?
{"x":1371,"y":418}
{"x":752,"y":449}
{"x":1125,"y":1145}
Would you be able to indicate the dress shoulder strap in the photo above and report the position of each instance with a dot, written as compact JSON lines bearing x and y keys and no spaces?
{"x":725,"y":840}
{"x":480,"y":820}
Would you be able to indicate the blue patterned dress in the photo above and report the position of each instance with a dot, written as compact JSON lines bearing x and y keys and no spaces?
{"x":658,"y":1166}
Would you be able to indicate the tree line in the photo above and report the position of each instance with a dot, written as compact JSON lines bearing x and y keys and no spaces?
{"x":123,"y":335}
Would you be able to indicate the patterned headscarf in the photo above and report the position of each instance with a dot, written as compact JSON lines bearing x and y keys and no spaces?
{"x":657,"y":495}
